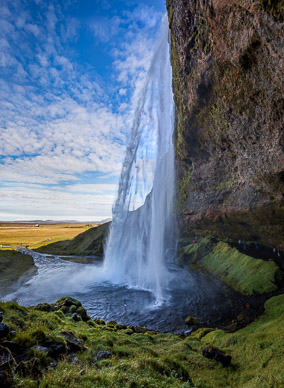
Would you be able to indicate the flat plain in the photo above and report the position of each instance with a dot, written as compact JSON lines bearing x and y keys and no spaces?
{"x":34,"y":235}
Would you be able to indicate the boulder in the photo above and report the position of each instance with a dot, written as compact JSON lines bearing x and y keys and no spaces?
{"x":73,"y":343}
{"x":99,"y":322}
{"x":217,"y":355}
{"x":111,"y":323}
{"x":76,"y":317}
{"x":56,"y":349}
{"x":102,"y":355}
{"x":44,"y":307}
{"x":4,"y":330}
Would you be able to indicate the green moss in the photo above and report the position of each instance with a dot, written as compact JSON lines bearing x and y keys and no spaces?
{"x":257,"y":349}
{"x":89,"y":242}
{"x":247,"y":275}
{"x":143,"y":360}
{"x":184,"y":185}
{"x":13,"y":265}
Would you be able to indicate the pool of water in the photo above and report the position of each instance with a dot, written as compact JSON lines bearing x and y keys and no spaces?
{"x":187,"y":294}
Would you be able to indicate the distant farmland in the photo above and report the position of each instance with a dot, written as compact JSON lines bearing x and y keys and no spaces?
{"x":35,"y":235}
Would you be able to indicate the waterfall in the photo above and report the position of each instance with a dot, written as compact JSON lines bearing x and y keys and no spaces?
{"x":140,"y":236}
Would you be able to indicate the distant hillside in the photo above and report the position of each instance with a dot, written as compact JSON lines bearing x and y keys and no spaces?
{"x":90,"y":242}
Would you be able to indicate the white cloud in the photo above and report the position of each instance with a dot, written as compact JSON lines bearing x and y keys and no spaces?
{"x":57,"y":122}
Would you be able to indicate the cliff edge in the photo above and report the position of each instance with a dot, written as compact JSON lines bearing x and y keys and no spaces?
{"x":227,"y":59}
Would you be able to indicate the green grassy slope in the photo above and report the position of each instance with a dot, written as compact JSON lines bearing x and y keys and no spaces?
{"x":139,"y":359}
{"x":89,"y":242}
{"x":13,"y":265}
{"x":247,"y":275}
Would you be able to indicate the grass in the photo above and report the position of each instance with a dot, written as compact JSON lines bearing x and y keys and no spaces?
{"x":13,"y":265}
{"x":247,"y":275}
{"x":89,"y":242}
{"x":149,"y":359}
{"x":30,"y":235}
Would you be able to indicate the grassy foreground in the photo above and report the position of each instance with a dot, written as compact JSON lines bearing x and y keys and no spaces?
{"x":51,"y":349}
{"x":247,"y":275}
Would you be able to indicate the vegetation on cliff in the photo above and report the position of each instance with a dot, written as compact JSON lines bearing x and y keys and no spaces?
{"x":247,"y":275}
{"x":90,"y":242}
{"x":14,"y":265}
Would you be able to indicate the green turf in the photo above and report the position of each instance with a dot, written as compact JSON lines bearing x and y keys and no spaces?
{"x":90,"y":242}
{"x":13,"y":266}
{"x":246,"y":274}
{"x":149,"y":359}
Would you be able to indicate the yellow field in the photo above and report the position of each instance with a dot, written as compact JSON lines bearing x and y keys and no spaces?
{"x":32,"y":235}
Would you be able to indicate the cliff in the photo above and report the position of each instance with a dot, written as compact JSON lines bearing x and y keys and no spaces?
{"x":227,"y":59}
{"x":90,"y":242}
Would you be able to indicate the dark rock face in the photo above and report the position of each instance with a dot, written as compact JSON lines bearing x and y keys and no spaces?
{"x":228,"y":89}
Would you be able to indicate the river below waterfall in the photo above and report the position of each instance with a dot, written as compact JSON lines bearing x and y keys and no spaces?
{"x":187,"y":294}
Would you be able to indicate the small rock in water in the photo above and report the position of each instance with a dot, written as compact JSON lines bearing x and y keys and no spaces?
{"x":102,"y":355}
{"x":4,"y":330}
{"x":217,"y":355}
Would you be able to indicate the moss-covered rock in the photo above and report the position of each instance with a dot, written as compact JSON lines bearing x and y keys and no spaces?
{"x":247,"y":275}
{"x":41,"y":352}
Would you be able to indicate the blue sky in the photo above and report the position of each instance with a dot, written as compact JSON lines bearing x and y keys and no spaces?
{"x":70,"y":76}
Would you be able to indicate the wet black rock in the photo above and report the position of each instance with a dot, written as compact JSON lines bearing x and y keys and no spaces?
{"x":102,"y":355}
{"x":217,"y":355}
{"x":76,"y":317}
{"x":73,"y":343}
{"x":44,"y":307}
{"x":69,"y":302}
{"x":4,"y":330}
{"x":111,"y":323}
{"x":56,"y":349}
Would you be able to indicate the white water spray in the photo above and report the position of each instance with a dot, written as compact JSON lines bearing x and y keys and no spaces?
{"x":139,"y":238}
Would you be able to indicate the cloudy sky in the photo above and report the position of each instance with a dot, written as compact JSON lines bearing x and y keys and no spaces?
{"x":70,"y":74}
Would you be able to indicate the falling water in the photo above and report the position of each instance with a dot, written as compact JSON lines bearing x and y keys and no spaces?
{"x":140,"y":236}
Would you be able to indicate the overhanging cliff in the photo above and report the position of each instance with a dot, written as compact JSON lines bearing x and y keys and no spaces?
{"x":227,"y":59}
